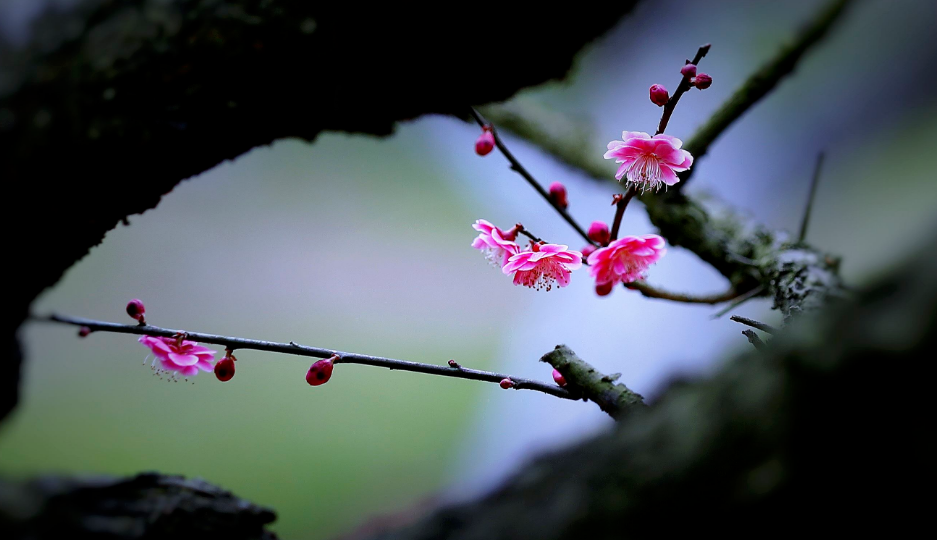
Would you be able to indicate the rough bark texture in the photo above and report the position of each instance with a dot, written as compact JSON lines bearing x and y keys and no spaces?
{"x":115,"y":102}
{"x":149,"y":505}
{"x":825,"y":428}
{"x":616,"y":399}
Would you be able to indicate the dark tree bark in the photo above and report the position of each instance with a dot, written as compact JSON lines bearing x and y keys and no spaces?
{"x":115,"y":102}
{"x":147,"y":506}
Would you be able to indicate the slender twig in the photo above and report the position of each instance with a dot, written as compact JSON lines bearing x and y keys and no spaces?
{"x":234,"y":343}
{"x":533,"y":237}
{"x":813,"y":191}
{"x":620,"y":211}
{"x":653,"y":292}
{"x":741,"y":299}
{"x":681,"y":89}
{"x":519,"y":169}
{"x":754,"y":324}
{"x":754,"y":339}
{"x":763,"y":81}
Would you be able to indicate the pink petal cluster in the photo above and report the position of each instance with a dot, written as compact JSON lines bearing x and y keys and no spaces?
{"x":496,"y":244}
{"x":179,"y":355}
{"x":649,"y":161}
{"x":543,"y":266}
{"x":626,"y":259}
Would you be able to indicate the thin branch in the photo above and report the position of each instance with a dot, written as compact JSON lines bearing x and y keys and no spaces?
{"x":740,"y":300}
{"x":681,"y":89}
{"x":653,"y":292}
{"x":754,"y":339}
{"x":234,"y":343}
{"x":755,"y":324}
{"x":763,"y":81}
{"x":519,"y":169}
{"x":620,"y":211}
{"x":813,"y":191}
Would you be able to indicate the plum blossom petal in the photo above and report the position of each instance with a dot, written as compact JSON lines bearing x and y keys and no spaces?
{"x":543,"y":266}
{"x":497,"y":245}
{"x":626,"y":259}
{"x":649,"y":162}
{"x":177,"y":355}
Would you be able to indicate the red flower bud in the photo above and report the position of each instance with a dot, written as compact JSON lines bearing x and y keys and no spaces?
{"x":485,"y":143}
{"x":688,"y":71}
{"x":558,"y":195}
{"x":454,"y":364}
{"x":702,"y":81}
{"x":84,"y":331}
{"x":598,"y":232}
{"x":604,"y":289}
{"x":558,"y":378}
{"x":224,"y":369}
{"x":507,"y":383}
{"x":320,"y":372}
{"x":586,"y":251}
{"x":136,"y":310}
{"x":659,"y":95}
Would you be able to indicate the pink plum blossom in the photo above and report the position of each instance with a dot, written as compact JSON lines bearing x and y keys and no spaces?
{"x":626,"y":259}
{"x":543,"y":266}
{"x":177,"y":355}
{"x":497,"y":245}
{"x":648,"y":162}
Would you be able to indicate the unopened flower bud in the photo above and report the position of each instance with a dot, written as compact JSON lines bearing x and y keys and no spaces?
{"x":224,"y":369}
{"x":558,"y":378}
{"x":598,"y":232}
{"x":454,"y":364}
{"x":506,"y":383}
{"x":136,"y":310}
{"x":604,"y":289}
{"x":587,"y":250}
{"x":688,"y":71}
{"x":702,"y":81}
{"x":320,"y":372}
{"x":485,"y":142}
{"x":659,"y":95}
{"x":84,"y":331}
{"x":558,"y":195}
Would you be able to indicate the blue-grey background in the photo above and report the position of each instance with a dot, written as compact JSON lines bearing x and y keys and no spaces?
{"x":362,"y":244}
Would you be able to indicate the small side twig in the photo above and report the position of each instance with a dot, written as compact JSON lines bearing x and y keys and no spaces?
{"x":754,"y":339}
{"x":519,"y":169}
{"x":681,"y":89}
{"x":654,"y":292}
{"x":620,"y":205}
{"x":741,"y":299}
{"x":813,"y":192}
{"x":292,"y":348}
{"x":754,"y":324}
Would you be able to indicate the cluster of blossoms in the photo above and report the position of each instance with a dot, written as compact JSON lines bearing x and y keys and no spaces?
{"x":646,"y":163}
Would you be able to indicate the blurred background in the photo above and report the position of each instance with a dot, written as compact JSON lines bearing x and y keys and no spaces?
{"x":362,"y":244}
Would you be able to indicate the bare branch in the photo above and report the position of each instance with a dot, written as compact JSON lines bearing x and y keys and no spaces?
{"x":519,"y":169}
{"x":754,"y":339}
{"x":813,"y":192}
{"x":754,"y":324}
{"x":653,"y":292}
{"x":234,"y":343}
